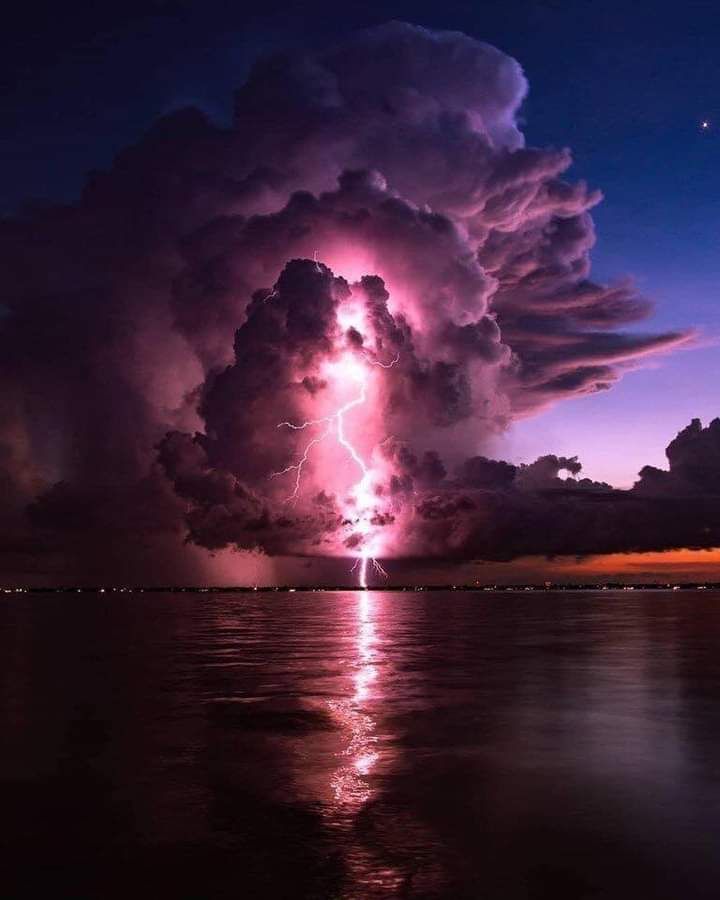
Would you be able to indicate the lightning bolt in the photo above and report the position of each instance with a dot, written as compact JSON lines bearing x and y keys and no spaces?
{"x":376,"y":362}
{"x":335,"y":425}
{"x":298,"y":466}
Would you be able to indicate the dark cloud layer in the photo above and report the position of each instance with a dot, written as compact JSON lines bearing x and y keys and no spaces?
{"x":496,"y":511}
{"x":155,"y":334}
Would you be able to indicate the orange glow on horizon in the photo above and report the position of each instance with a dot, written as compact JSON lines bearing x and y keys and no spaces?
{"x":692,"y":565}
{"x":663,"y":560}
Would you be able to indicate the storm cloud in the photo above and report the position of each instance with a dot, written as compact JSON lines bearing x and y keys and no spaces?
{"x":372,"y":204}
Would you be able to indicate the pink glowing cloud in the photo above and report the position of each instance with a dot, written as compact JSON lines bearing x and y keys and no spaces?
{"x":299,"y":335}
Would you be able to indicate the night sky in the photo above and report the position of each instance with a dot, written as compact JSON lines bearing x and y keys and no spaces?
{"x":624,"y":86}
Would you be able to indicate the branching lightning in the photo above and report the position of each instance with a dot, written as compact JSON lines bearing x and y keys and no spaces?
{"x":376,"y":362}
{"x":361,"y":493}
{"x":298,"y":466}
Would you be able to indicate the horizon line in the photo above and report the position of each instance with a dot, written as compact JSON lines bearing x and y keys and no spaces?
{"x":335,"y":588}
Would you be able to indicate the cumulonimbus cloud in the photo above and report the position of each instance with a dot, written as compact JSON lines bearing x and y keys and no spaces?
{"x":371,"y":205}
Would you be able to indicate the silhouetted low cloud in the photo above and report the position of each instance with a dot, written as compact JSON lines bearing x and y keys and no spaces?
{"x":496,"y":511}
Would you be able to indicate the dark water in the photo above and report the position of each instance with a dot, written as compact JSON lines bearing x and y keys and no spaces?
{"x":360,"y":745}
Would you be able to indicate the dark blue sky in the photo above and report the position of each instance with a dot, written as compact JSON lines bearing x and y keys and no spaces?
{"x":625,"y":85}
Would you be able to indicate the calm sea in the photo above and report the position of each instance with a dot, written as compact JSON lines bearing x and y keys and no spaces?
{"x":351,"y":745}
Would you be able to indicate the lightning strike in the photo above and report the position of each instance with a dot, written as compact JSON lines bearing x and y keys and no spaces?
{"x":361,"y":493}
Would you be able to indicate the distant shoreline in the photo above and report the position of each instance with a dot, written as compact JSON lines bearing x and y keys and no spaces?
{"x":390,"y":588}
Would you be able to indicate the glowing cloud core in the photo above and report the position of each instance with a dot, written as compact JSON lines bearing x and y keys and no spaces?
{"x":351,"y":370}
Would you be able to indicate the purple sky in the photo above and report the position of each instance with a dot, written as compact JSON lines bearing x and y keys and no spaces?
{"x":676,"y":263}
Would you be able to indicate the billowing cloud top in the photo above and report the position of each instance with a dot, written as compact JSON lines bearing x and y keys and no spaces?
{"x":298,"y":333}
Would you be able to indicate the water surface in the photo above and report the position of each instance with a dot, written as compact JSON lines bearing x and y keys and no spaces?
{"x":359,"y":745}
